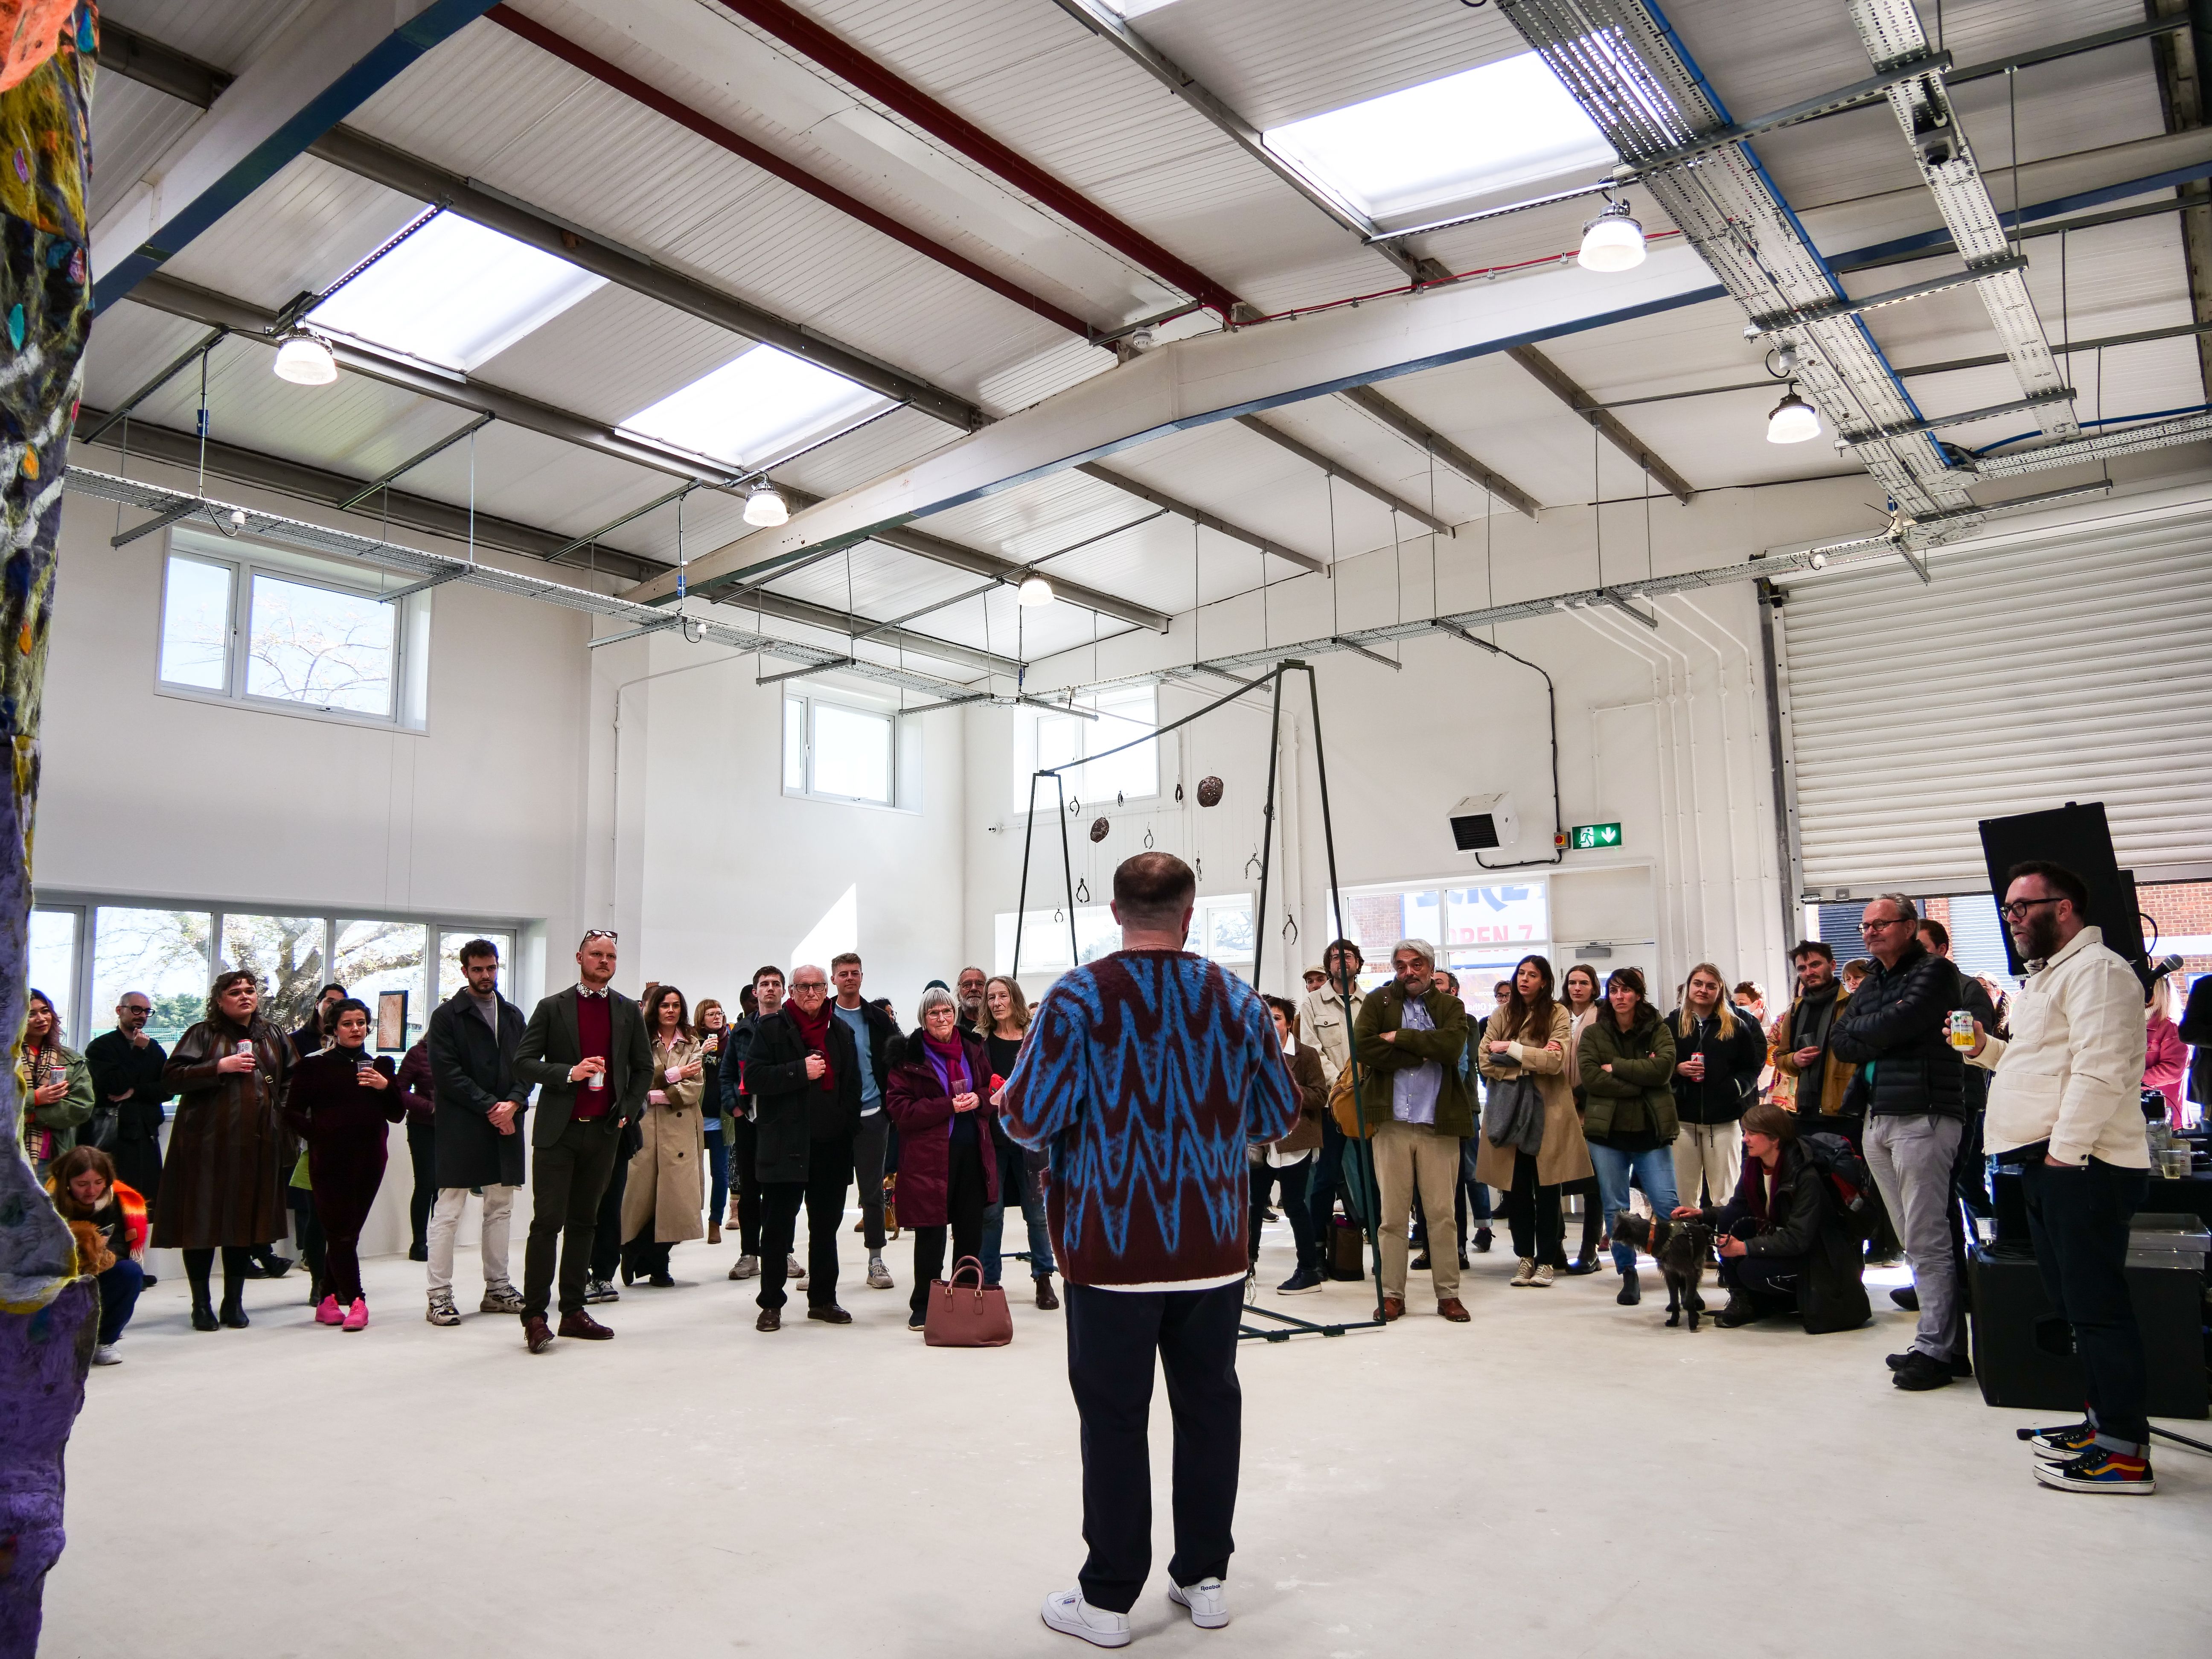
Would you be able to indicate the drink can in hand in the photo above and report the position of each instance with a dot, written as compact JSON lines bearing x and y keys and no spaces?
{"x":597,"y":1080}
{"x":1962,"y":1028}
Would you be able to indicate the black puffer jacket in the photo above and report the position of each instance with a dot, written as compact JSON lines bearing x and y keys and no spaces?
{"x":1803,"y":1223}
{"x":1898,"y":1019}
{"x":1732,"y":1066}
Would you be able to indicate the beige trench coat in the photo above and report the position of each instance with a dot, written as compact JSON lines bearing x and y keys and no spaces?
{"x":667,"y":1181}
{"x":1564,"y":1155}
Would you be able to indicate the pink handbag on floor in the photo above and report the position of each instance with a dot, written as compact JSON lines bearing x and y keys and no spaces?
{"x":967,"y":1315}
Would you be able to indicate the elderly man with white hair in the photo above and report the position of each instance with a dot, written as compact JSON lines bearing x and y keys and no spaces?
{"x":1408,"y":1038}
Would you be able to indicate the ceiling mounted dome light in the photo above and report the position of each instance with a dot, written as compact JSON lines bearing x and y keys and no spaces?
{"x":305,"y":361}
{"x":764,"y":508}
{"x":1612,"y":241}
{"x":1035,"y":591}
{"x":1793,"y":421}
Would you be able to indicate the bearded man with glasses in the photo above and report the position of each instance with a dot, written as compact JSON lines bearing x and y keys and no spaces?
{"x":1910,"y":1085}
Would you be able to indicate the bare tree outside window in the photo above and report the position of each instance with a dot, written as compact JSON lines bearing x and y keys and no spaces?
{"x":373,"y":956}
{"x":163,"y":953}
{"x":285,"y":953}
{"x":317,"y":646}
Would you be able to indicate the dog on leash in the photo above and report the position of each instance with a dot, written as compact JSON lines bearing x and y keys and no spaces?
{"x":1679,"y":1247}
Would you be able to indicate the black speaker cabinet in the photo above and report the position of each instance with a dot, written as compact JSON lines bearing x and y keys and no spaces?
{"x":2023,"y":1351}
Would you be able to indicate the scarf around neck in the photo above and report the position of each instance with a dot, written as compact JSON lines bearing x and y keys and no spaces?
{"x":1816,"y":1011}
{"x":948,"y":1059}
{"x":815,"y":1033}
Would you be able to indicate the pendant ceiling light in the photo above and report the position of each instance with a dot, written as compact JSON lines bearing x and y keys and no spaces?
{"x":305,"y":361}
{"x":1793,"y":421}
{"x":764,"y":508}
{"x":1035,"y":591}
{"x":1612,"y":241}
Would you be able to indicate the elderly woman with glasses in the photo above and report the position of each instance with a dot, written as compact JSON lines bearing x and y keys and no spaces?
{"x":939,"y":1095}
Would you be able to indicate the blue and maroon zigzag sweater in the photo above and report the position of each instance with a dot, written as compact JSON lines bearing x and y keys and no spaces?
{"x":1144,"y":1075}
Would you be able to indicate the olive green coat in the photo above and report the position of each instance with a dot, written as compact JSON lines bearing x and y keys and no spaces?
{"x":1380,"y":1060}
{"x":1633,"y":1097}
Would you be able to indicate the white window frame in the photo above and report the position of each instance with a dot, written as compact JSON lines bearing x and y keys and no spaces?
{"x":411,"y":632}
{"x":905,"y":750}
{"x":1110,"y":731}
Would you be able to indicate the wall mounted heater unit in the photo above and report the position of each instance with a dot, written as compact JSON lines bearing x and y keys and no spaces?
{"x":1481,"y":823}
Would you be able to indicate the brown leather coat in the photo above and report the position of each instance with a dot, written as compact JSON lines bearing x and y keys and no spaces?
{"x":230,"y":1152}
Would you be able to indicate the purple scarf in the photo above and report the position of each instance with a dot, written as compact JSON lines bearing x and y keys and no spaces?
{"x":948,"y":1059}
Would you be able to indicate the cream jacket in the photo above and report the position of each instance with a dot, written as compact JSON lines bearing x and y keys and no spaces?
{"x":2072,"y":1074}
{"x":1323,"y":1023}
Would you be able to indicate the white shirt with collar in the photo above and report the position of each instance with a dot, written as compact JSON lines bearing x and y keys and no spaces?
{"x":2072,"y":1072}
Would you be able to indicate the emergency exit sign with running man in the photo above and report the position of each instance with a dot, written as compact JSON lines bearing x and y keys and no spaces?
{"x":1586,"y":837}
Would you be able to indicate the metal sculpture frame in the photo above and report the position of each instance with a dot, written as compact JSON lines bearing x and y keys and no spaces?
{"x":1358,"y":1156}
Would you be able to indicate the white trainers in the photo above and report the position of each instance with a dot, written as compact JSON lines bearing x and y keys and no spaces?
{"x":1527,"y":1276}
{"x":441,"y":1310}
{"x":1067,"y":1612}
{"x":104,"y":1354}
{"x":1542,"y":1280}
{"x":746,"y":1266}
{"x":1207,"y":1600}
{"x":879,"y":1276}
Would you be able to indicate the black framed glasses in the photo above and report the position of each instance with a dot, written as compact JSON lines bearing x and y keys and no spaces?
{"x":2017,"y":909}
{"x":1890,"y":921}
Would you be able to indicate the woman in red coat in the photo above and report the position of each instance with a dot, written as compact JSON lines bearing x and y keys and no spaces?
{"x":2166,"y":1057}
{"x":343,"y":1101}
{"x":939,"y":1097}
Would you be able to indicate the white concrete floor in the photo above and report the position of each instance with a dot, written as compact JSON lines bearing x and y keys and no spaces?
{"x":1561,"y":1476}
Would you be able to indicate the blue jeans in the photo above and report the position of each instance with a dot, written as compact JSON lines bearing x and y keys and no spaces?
{"x":1654,"y":1172}
{"x":119,"y":1296}
{"x":718,"y":1166}
{"x":1012,"y":1179}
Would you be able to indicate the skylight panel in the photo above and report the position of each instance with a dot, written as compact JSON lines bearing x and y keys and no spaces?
{"x":1492,"y":128}
{"x":454,"y":293}
{"x":1130,"y":11}
{"x":757,"y":406}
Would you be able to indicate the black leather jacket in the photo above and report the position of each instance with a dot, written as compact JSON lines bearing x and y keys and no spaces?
{"x":1898,"y":1020}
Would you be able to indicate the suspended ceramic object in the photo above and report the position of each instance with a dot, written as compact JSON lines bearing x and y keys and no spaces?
{"x":1098,"y":829}
{"x":1209,"y":792}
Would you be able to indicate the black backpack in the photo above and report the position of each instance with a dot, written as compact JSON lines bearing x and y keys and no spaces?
{"x":1848,"y":1180}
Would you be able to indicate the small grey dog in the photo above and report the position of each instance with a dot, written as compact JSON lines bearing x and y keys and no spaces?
{"x":1679,"y":1247}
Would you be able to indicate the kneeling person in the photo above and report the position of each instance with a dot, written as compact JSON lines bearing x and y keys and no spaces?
{"x":1783,"y":1243}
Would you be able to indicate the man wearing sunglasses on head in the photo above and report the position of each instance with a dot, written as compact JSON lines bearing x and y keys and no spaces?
{"x":586,"y":1050}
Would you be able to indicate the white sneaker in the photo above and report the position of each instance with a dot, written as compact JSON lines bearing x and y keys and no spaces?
{"x":104,"y":1354}
{"x":1542,"y":1280}
{"x":879,"y":1276}
{"x":1527,"y":1276}
{"x":1067,"y":1612}
{"x":1207,"y":1600}
{"x":746,"y":1266}
{"x":795,"y":1274}
{"x":441,"y":1310}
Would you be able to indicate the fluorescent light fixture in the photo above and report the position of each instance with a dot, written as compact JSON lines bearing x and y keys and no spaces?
{"x":764,"y":508}
{"x":753,"y":408}
{"x":1503,"y":124}
{"x":1133,"y":9}
{"x":1612,"y":241}
{"x":305,"y":360}
{"x":454,"y":293}
{"x":1793,"y":421}
{"x":1034,"y":591}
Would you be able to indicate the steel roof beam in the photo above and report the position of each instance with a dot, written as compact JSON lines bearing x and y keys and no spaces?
{"x":1425,"y":437}
{"x":1366,"y":486}
{"x":1556,"y":380}
{"x":1199,"y":516}
{"x":317,"y":68}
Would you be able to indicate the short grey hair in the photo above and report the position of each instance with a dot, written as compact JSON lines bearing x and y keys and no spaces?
{"x":936,"y":997}
{"x":1906,"y":909}
{"x":1419,"y":947}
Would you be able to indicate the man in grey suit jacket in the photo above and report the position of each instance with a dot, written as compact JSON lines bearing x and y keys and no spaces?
{"x":586,"y":1049}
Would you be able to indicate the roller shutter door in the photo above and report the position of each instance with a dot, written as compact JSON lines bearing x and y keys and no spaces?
{"x":2072,"y":665}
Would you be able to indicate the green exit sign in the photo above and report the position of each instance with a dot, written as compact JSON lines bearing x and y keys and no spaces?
{"x":1585,"y":836}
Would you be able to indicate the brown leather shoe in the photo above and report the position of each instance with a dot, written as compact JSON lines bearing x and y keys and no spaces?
{"x":771,"y":1319}
{"x":1046,"y":1299}
{"x":581,"y":1324}
{"x":1394,"y":1307}
{"x":537,"y":1333}
{"x":1453,"y":1309}
{"x":832,"y":1315}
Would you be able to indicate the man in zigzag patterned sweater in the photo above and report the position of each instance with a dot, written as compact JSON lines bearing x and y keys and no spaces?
{"x":1144,"y":1076}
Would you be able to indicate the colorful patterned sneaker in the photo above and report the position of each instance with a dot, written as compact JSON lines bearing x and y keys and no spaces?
{"x":442,"y":1311}
{"x":2099,"y":1471}
{"x":2060,"y":1444}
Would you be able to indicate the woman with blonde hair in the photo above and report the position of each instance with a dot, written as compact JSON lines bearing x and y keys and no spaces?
{"x":665,"y":1188}
{"x":2166,"y":1057}
{"x":1717,"y":1057}
{"x":1005,"y":1022}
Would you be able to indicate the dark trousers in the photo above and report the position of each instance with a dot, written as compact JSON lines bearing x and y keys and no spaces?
{"x":606,"y":1226}
{"x":718,"y":1170}
{"x":829,"y":1172}
{"x":963,"y":1211}
{"x":1768,"y":1282}
{"x":119,"y":1296}
{"x":1340,"y":1168}
{"x":1291,"y":1179}
{"x":2078,"y":1220}
{"x":566,"y":1181}
{"x":1532,"y":1210}
{"x":1973,"y":1171}
{"x":306,"y":1230}
{"x":423,"y":1153}
{"x":1593,"y":1214}
{"x":1112,"y":1337}
{"x":868,"y":1146}
{"x":745,"y":1177}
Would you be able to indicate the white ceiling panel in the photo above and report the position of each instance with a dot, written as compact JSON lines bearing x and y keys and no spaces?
{"x":611,"y":355}
{"x":131,"y":127}
{"x":229,"y":35}
{"x":302,"y":230}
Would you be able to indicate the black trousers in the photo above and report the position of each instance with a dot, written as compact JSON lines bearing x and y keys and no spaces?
{"x":868,"y":1148}
{"x":566,"y":1181}
{"x":1532,"y":1210}
{"x":963,"y":1210}
{"x":1291,"y":1179}
{"x":1768,"y":1282}
{"x":2078,"y":1220}
{"x":606,"y":1226}
{"x":1112,"y":1337}
{"x":745,"y":1181}
{"x":829,"y":1173}
{"x":423,"y":1153}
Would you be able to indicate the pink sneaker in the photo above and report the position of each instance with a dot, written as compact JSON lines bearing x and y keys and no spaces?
{"x":327,"y":1312}
{"x":356,"y":1317}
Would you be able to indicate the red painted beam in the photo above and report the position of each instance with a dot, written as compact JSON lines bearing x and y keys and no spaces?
{"x":768,"y":161}
{"x":797,"y":30}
